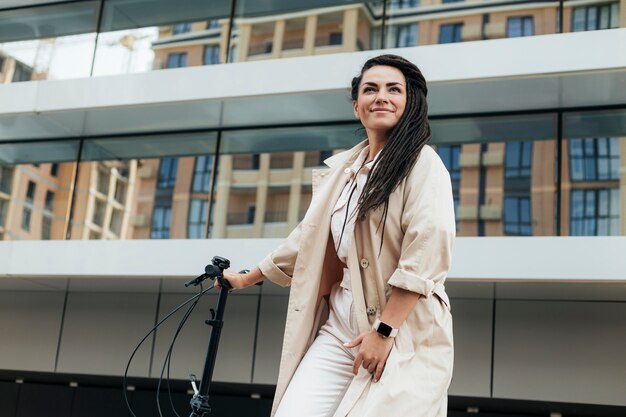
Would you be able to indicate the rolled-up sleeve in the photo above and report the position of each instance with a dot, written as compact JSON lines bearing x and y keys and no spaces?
{"x":278,"y":266}
{"x":429,"y":226}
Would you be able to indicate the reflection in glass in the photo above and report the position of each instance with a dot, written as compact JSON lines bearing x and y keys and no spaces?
{"x":450,"y":33}
{"x":517,"y":216}
{"x":265,"y":181}
{"x":593,"y":173}
{"x":594,"y":159}
{"x":595,"y":212}
{"x":500,"y":187}
{"x":158,"y":187}
{"x":594,"y":17}
{"x":125,"y":51}
{"x":196,"y":225}
{"x":140,"y":35}
{"x":35,"y":188}
{"x":270,"y":34}
{"x":519,"y":26}
{"x":47,"y":42}
{"x":450,"y":157}
{"x":161,"y":220}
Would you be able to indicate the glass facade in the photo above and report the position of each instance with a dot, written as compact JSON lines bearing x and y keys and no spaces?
{"x":502,"y":168}
{"x":104,"y":37}
{"x":503,"y":171}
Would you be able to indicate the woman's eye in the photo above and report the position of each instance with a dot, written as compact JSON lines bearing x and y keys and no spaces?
{"x":366,"y":89}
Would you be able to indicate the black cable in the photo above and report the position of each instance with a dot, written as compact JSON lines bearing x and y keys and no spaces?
{"x":125,"y":380}
{"x":168,"y":358}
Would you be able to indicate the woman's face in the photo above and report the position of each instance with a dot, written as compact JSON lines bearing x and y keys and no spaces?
{"x":381,"y":99}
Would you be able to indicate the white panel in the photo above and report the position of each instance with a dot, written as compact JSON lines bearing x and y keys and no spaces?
{"x":472,"y":348}
{"x":270,"y":339}
{"x":560,"y":351}
{"x":101,"y":330}
{"x":30,"y":323}
{"x":589,"y":259}
{"x":234,"y":359}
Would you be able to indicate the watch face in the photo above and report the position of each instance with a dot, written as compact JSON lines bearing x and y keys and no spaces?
{"x":384,"y":329}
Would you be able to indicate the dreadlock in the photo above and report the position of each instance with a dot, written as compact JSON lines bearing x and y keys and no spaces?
{"x":405,"y":142}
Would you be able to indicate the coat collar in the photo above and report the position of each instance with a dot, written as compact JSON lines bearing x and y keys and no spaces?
{"x":345,"y":157}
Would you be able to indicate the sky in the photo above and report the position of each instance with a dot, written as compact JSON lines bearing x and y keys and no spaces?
{"x":70,"y":57}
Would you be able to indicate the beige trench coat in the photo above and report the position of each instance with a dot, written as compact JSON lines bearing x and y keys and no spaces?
{"x":415,"y":256}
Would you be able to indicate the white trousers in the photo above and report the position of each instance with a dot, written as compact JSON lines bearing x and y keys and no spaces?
{"x":325,"y":372}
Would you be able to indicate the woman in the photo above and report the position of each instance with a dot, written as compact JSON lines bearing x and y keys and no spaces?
{"x":385,"y":211}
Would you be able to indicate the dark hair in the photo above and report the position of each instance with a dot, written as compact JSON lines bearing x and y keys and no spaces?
{"x":406,"y":139}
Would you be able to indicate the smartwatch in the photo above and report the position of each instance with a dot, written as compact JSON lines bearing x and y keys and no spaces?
{"x":384,"y":329}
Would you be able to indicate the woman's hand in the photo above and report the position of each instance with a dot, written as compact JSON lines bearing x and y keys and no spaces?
{"x":373,"y":353}
{"x":236,"y":280}
{"x":239,"y":281}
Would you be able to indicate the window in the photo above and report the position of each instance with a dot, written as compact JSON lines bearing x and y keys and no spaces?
{"x":182,"y":28}
{"x":450,"y":33}
{"x":267,"y":47}
{"x":212,"y":55}
{"x":403,"y":4}
{"x":104,"y":179}
{"x":49,"y":200}
{"x":26,"y":219}
{"x":98,"y":213}
{"x":213,"y":24}
{"x":197,"y":218}
{"x":517,"y":216}
{"x":518,"y":159}
{"x":595,"y":17}
{"x":202,"y":174}
{"x":4,"y":204}
{"x":46,"y":227}
{"x":406,"y":35}
{"x":519,"y":26}
{"x":451,"y":1}
{"x":120,"y":191}
{"x":177,"y":60}
{"x":54,"y":169}
{"x":30,"y":191}
{"x":167,"y":173}
{"x":161,"y":218}
{"x":117,"y":216}
{"x":594,"y":159}
{"x":594,"y":212}
{"x":450,"y":156}
{"x":22,"y":73}
{"x":336,"y":38}
{"x":6,"y":178}
{"x":251,"y":213}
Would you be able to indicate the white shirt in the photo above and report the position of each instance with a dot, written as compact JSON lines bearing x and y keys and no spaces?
{"x":347,"y":203}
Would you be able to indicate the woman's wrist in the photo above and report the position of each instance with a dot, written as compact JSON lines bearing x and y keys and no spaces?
{"x":252,"y":277}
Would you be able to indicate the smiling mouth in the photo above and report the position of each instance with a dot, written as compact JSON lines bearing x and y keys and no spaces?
{"x":381,"y":111}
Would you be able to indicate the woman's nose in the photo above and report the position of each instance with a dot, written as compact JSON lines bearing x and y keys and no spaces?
{"x":381,"y":96}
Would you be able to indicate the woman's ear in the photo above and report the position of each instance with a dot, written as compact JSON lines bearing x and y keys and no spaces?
{"x":355,"y":106}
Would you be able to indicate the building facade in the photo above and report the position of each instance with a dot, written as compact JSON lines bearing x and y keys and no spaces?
{"x":183,"y":132}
